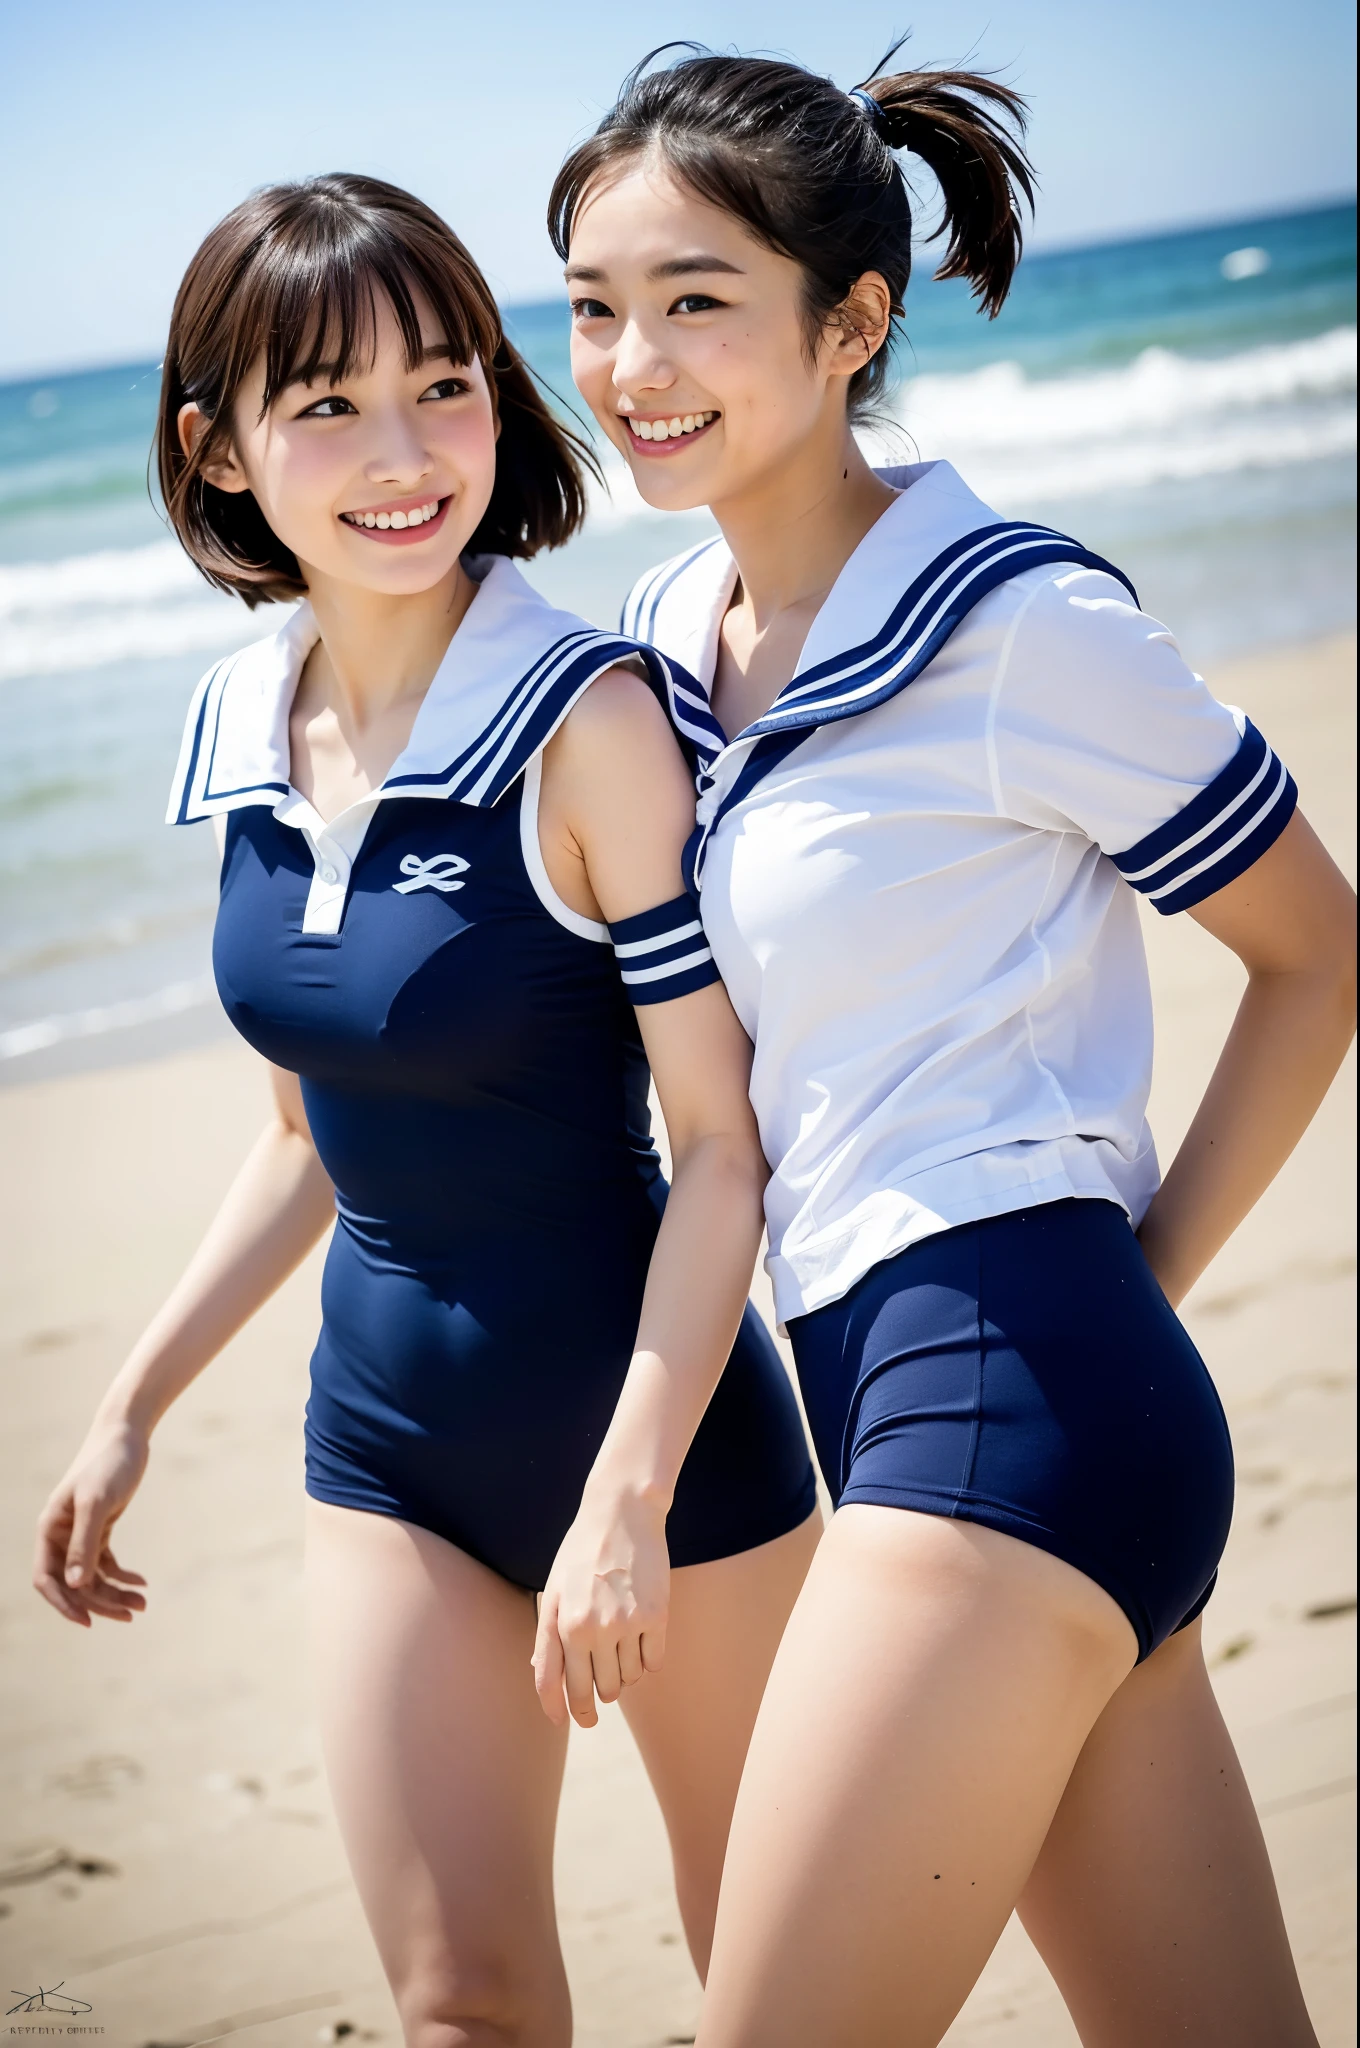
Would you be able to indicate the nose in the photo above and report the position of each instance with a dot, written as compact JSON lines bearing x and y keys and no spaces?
{"x":399,"y":455}
{"x":641,"y":366}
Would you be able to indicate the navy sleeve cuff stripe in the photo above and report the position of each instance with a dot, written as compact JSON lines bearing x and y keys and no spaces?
{"x":666,"y":918}
{"x":675,"y":984}
{"x":663,"y":952}
{"x":1241,"y":853}
{"x":1215,"y":804}
{"x":1218,"y":834}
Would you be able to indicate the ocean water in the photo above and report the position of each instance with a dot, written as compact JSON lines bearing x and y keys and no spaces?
{"x":1184,"y":404}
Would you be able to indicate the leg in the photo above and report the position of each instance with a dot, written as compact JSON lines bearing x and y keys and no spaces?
{"x":445,"y":1777}
{"x":933,"y":1690}
{"x":1152,"y":1901}
{"x":692,"y":1720}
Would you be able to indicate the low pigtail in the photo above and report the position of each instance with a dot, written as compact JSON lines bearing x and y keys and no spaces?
{"x":976,"y":154}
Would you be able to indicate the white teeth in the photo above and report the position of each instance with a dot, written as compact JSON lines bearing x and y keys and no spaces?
{"x":669,"y":430}
{"x":416,"y":517}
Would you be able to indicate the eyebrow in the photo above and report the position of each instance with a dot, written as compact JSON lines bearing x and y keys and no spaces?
{"x":675,"y":266}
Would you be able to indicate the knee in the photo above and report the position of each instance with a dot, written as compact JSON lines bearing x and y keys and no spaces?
{"x":487,"y":2001}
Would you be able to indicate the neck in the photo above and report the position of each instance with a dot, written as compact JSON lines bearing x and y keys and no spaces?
{"x":794,"y":529}
{"x":376,"y":650}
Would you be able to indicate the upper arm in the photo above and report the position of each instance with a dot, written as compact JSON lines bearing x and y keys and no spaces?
{"x":1292,"y":911}
{"x":616,"y":782}
{"x":1100,"y":726}
{"x":289,"y":1107}
{"x":616,"y":792}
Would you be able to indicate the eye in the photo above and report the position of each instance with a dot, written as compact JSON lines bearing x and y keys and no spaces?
{"x":330,"y":408}
{"x":591,"y":309}
{"x":695,"y":302}
{"x":447,"y":387}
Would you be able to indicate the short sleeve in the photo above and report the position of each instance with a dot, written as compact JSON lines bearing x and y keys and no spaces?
{"x":1098,"y":725}
{"x":663,"y":953}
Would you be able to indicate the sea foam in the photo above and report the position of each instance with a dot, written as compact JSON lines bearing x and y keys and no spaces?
{"x":1020,"y":442}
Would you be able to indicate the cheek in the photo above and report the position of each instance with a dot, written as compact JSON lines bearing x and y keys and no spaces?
{"x":467,"y":443}
{"x":772,"y":381}
{"x":299,"y":480}
{"x":590,"y":369}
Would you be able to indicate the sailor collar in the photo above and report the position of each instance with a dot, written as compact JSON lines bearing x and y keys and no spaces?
{"x":933,"y":554}
{"x":512,"y":672}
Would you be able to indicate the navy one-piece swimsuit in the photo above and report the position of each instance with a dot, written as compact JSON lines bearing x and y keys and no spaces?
{"x":476,"y":1088}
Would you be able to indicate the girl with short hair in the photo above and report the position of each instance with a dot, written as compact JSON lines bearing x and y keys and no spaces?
{"x":940,"y":752}
{"x":452,"y":923}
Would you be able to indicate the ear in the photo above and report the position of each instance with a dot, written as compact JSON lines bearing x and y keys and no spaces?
{"x":859,"y":326}
{"x":224,"y":471}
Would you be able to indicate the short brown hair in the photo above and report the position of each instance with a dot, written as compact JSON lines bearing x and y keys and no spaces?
{"x":292,"y":275}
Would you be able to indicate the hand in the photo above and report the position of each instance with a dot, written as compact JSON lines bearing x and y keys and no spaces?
{"x":602,"y":1617}
{"x":73,"y":1566}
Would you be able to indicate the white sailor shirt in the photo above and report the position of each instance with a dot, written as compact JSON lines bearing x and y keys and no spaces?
{"x":917,"y":872}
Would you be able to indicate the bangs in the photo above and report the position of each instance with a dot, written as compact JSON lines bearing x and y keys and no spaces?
{"x":296,"y":277}
{"x":313,"y":312}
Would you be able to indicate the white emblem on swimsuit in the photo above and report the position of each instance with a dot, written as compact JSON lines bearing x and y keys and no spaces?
{"x":435,"y":873}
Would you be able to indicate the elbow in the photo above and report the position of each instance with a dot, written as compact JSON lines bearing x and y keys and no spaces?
{"x":1340,"y":967}
{"x":731,"y":1160}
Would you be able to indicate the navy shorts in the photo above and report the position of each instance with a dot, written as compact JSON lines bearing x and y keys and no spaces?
{"x":1027,"y":1373}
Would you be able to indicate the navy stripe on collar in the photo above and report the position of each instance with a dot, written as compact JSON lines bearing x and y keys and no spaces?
{"x":920,"y":622}
{"x":929,"y":611}
{"x":481,"y":774}
{"x":638,"y":618}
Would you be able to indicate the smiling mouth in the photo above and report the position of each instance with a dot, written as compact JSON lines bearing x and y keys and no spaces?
{"x":667,"y":436}
{"x":398,"y":524}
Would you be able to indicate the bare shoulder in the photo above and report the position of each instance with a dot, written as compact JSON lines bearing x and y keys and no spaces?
{"x":617,"y":736}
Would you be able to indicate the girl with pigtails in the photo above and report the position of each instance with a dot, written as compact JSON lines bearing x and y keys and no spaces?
{"x":940,"y":752}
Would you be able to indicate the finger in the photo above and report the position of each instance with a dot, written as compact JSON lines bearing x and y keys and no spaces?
{"x":125,"y":1598}
{"x":630,"y":1658}
{"x":110,"y":1607}
{"x":604,"y":1661}
{"x":111,"y":1569}
{"x":85,"y":1545}
{"x":653,"y":1644}
{"x":57,"y":1595}
{"x":549,"y":1667}
{"x":580,"y":1684}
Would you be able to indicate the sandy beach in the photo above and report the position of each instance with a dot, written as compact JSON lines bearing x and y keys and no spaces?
{"x":167,"y":1850}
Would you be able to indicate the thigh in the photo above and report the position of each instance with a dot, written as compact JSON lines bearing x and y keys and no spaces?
{"x":1152,"y":1901}
{"x":935,"y":1684}
{"x":692,"y":1720}
{"x":444,"y":1772}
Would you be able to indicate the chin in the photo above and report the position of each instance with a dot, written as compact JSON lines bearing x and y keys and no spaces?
{"x":666,"y":493}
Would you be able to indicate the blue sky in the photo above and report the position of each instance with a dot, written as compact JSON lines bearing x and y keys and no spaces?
{"x":130,"y":128}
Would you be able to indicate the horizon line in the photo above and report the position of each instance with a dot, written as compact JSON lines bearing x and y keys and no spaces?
{"x":1035,"y":251}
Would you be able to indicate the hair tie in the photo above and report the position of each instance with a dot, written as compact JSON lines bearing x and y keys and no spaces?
{"x":877,"y":113}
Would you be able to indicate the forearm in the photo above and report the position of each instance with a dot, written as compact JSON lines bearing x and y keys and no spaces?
{"x":697,"y":1288}
{"x":275,"y":1210}
{"x":1288,"y":1039}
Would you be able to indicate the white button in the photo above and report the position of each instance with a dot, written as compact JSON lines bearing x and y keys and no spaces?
{"x":328,"y":873}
